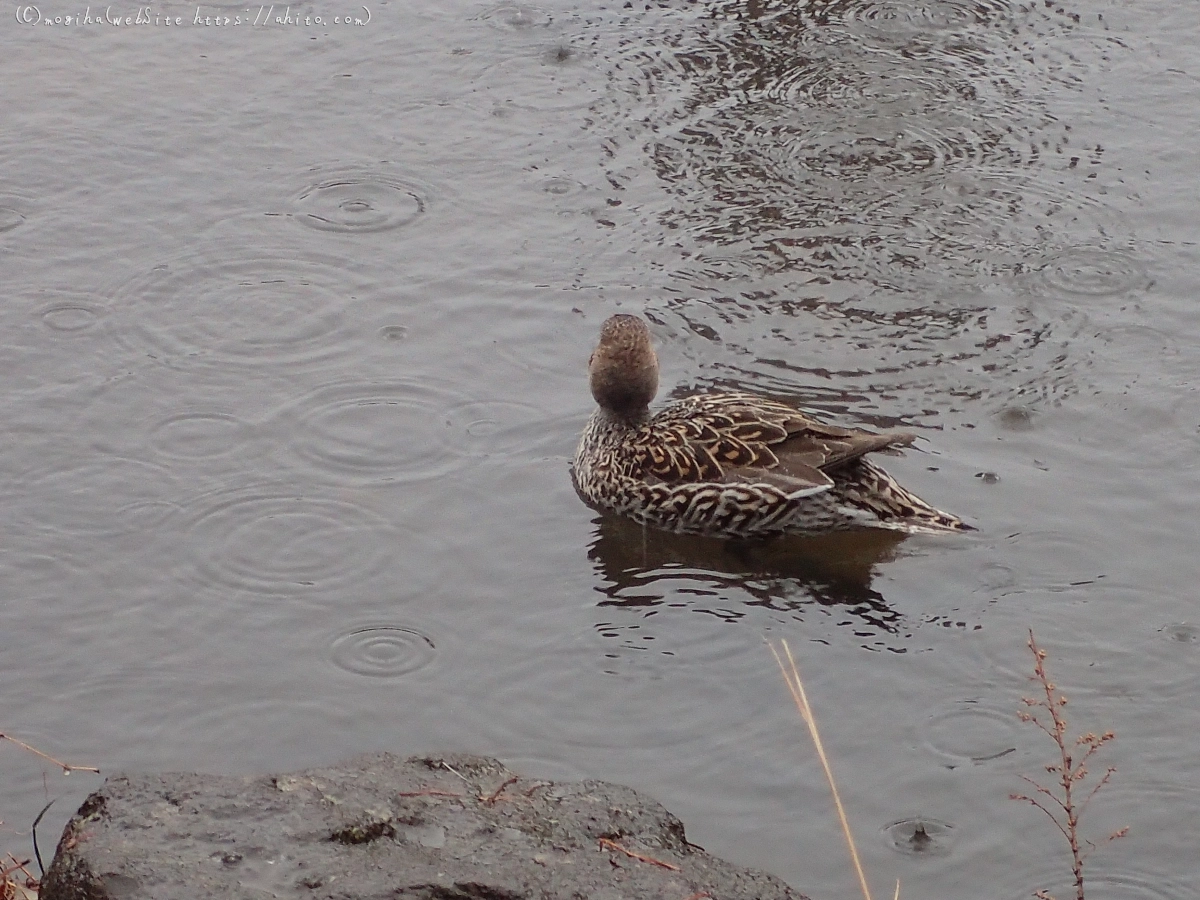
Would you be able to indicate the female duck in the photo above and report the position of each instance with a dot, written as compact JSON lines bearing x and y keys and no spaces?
{"x":730,"y":464}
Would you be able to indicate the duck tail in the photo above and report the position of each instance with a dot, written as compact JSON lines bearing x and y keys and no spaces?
{"x":895,"y":506}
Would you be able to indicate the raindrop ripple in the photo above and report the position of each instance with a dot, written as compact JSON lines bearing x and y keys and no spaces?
{"x":382,"y":651}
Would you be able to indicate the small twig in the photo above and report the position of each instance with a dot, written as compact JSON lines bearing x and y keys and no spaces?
{"x":67,"y":769}
{"x":533,"y":787}
{"x":613,"y":845}
{"x":450,"y":768}
{"x":493,"y":797}
{"x":17,"y":866}
{"x":7,"y":883}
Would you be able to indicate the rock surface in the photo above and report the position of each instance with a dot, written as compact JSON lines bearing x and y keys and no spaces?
{"x":427,"y":828}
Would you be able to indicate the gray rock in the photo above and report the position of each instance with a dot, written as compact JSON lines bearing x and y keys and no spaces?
{"x":428,"y":828}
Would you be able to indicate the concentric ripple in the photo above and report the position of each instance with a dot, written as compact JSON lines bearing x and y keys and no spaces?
{"x":885,"y":142}
{"x":382,"y":651}
{"x":69,"y":312}
{"x":886,"y":18}
{"x":903,"y":185}
{"x":919,"y":836}
{"x":198,"y":435}
{"x":276,"y":310}
{"x":971,"y":731}
{"x":516,"y":17}
{"x":276,"y":540}
{"x":858,"y":156}
{"x":833,"y":80}
{"x":1148,"y":661}
{"x":401,"y":430}
{"x":898,"y":342}
{"x":558,"y":78}
{"x":393,"y":333}
{"x":1103,"y":882}
{"x":385,"y":431}
{"x":557,"y":186}
{"x":1054,"y":561}
{"x":494,"y":428}
{"x":1159,"y":811}
{"x":874,"y":148}
{"x":102,"y":495}
{"x":355,"y":201}
{"x":1094,"y":273}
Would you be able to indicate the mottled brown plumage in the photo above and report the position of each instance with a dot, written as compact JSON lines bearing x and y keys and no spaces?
{"x":731,"y":464}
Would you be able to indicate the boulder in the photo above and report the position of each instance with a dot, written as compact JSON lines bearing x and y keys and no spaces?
{"x":452,"y":827}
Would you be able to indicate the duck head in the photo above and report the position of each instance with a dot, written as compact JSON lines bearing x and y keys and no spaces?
{"x":623,"y":369}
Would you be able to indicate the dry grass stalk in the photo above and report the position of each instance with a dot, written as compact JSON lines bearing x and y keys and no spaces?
{"x":12,"y":888}
{"x":67,"y":769}
{"x":791,"y":676}
{"x":610,"y":844}
{"x":1063,"y":810}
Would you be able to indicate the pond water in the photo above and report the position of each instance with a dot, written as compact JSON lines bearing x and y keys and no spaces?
{"x":295,"y":323}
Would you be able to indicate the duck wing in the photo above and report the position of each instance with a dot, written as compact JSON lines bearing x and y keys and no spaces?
{"x":743,"y":438}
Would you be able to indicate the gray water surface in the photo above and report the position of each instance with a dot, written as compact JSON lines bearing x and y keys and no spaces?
{"x":294,"y":333}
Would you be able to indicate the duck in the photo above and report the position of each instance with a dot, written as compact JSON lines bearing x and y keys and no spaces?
{"x":731,"y":464}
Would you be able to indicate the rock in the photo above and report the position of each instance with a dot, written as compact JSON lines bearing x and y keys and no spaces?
{"x":427,"y":828}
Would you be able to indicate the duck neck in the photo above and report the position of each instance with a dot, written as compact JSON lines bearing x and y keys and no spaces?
{"x":624,"y":419}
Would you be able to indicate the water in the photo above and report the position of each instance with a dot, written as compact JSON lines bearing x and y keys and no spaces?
{"x":295,"y":325}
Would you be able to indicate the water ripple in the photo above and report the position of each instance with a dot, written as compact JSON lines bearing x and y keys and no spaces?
{"x":920,"y":836}
{"x":101,"y":496}
{"x":830,"y":79}
{"x":354,"y":200}
{"x":935,"y":351}
{"x":383,"y":431}
{"x":198,"y":435}
{"x":972,"y":731}
{"x":557,"y":186}
{"x":887,"y":18}
{"x":70,"y":317}
{"x":1149,"y":662}
{"x":273,"y":540}
{"x":1104,"y":880}
{"x":393,"y":332}
{"x":551,"y":79}
{"x":1094,"y":273}
{"x":886,"y":143}
{"x":65,"y":312}
{"x":494,"y":428}
{"x":244,"y":310}
{"x":516,"y":17}
{"x":382,"y":651}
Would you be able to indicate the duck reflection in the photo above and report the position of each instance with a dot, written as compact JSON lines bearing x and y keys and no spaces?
{"x":647,"y":568}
